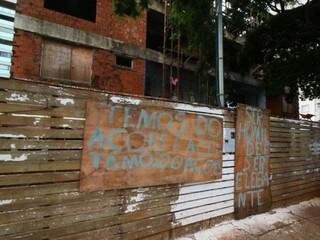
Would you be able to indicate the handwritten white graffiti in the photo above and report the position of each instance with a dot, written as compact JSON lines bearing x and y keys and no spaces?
{"x":254,"y":176}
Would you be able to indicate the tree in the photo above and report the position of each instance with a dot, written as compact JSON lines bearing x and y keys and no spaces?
{"x":283,"y":41}
{"x":129,"y":7}
{"x":287,"y":47}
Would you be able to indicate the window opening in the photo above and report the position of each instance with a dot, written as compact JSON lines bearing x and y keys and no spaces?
{"x":125,"y":62}
{"x":85,"y":9}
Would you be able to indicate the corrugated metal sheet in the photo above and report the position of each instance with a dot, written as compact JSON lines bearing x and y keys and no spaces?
{"x":7,"y":15}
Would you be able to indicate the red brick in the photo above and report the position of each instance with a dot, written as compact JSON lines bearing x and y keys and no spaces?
{"x":106,"y":75}
{"x":127,"y":29}
{"x":26,"y":55}
{"x":112,"y":78}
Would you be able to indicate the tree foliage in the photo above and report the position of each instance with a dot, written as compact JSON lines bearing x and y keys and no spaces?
{"x":246,"y":15}
{"x":282,"y":40}
{"x":287,"y":47}
{"x":129,"y":7}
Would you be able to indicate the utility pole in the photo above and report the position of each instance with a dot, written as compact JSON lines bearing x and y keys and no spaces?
{"x":219,"y":54}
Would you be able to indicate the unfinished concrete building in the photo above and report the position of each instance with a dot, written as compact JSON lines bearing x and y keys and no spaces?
{"x":84,"y":43}
{"x":88,"y":45}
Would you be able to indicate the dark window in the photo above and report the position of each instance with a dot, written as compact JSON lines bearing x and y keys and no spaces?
{"x":85,"y":9}
{"x":125,"y":62}
{"x":66,"y":62}
{"x":155,"y":24}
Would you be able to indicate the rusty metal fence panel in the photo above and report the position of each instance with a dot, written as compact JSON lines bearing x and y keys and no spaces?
{"x":252,"y":187}
{"x":41,"y":140}
{"x":295,"y":160}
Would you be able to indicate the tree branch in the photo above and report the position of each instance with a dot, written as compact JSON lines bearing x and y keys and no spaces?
{"x":282,"y":5}
{"x":273,"y":7}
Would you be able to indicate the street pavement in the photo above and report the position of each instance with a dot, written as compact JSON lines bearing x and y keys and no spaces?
{"x":296,"y":222}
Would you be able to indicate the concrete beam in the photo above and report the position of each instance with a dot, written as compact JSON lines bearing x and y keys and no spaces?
{"x":89,"y":39}
{"x":246,"y":79}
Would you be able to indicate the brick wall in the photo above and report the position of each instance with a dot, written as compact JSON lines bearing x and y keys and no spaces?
{"x":26,"y":55}
{"x":106,"y":75}
{"x":115,"y":79}
{"x":108,"y":24}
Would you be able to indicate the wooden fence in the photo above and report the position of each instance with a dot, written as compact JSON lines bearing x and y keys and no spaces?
{"x":295,"y":160}
{"x":41,"y":138}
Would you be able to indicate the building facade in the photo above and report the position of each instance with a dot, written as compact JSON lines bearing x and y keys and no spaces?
{"x":310,"y":107}
{"x":58,"y":42}
{"x":83,"y":45}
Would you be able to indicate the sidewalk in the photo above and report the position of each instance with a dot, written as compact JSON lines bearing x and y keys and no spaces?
{"x":297,"y":222}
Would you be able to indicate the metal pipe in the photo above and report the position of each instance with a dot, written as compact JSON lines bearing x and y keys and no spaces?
{"x":219,"y":54}
{"x":164,"y":72}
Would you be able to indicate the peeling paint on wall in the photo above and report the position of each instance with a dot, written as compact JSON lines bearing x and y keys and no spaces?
{"x":6,"y":202}
{"x":18,"y":97}
{"x":8,"y":135}
{"x":66,"y":101}
{"x":9,"y":157}
{"x":125,"y":100}
{"x":136,"y":202}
